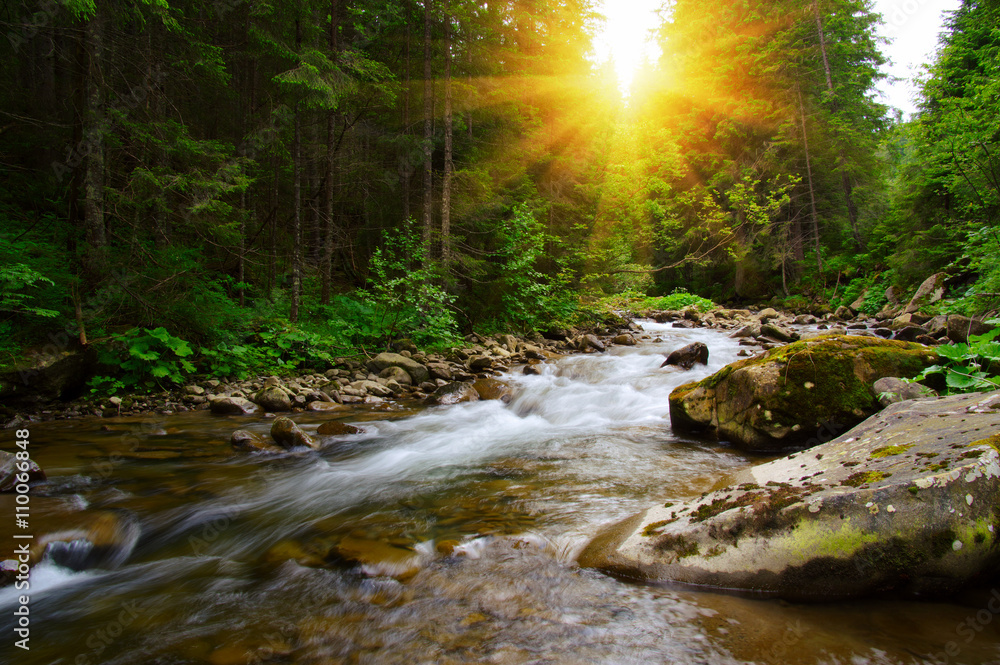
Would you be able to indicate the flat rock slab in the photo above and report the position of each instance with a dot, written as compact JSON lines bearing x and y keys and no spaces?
{"x":907,"y":501}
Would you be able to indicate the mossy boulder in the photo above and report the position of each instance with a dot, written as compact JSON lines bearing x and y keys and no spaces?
{"x":784,"y":398}
{"x":908,"y":501}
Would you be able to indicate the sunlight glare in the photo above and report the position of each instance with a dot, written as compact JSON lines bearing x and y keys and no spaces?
{"x":626,"y":38}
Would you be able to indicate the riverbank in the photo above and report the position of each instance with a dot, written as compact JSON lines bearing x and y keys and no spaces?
{"x":350,"y":379}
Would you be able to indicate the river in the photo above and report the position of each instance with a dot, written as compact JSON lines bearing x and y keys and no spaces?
{"x":468,"y":519}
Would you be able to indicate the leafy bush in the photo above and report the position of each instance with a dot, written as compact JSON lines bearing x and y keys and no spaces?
{"x":404,"y":297}
{"x":680,"y":298}
{"x":968,"y":367}
{"x":631,"y":301}
{"x":147,"y":359}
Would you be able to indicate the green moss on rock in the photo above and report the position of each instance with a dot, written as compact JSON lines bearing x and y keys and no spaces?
{"x":786,"y":396}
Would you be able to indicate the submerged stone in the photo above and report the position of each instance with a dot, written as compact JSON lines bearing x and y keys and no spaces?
{"x":904,"y":502}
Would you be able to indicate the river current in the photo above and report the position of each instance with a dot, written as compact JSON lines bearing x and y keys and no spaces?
{"x":438,"y":535}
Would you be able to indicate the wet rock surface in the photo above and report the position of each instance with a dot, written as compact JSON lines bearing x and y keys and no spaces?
{"x":688,"y":356}
{"x":289,"y":435}
{"x":906,"y":502}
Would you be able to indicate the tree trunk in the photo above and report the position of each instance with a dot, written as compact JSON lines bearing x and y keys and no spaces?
{"x":93,"y":132}
{"x":293,"y":314}
{"x":449,"y":165}
{"x":845,"y":180}
{"x":428,"y":132}
{"x":331,"y":127}
{"x":812,"y":191}
{"x":405,"y":167}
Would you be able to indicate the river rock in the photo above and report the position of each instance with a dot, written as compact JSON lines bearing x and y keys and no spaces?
{"x":891,"y":390}
{"x":273,"y":398}
{"x":247,"y":441}
{"x":589,"y":341}
{"x":624,"y":340}
{"x":929,"y":292}
{"x":843,"y":313}
{"x":533,"y":352}
{"x":439,"y":371}
{"x":687,"y":356}
{"x":397,"y":374}
{"x":404,"y":344}
{"x":488,"y":389}
{"x":418,"y":373}
{"x":910,"y":333}
{"x":961,"y":327}
{"x":324,"y":407}
{"x":904,"y":502}
{"x":99,"y":539}
{"x":750,"y":330}
{"x":453,"y":393}
{"x":376,"y":558}
{"x":782,"y":398}
{"x":11,"y":467}
{"x":233,"y":406}
{"x":479,"y":363}
{"x":288,"y":435}
{"x":337,"y":428}
{"x":371,"y":388}
{"x":767,"y":314}
{"x":778,"y":333}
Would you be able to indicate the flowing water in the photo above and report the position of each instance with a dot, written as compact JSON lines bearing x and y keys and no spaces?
{"x":440,"y":535}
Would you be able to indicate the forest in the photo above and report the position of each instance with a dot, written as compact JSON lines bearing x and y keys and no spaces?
{"x":233,"y":186}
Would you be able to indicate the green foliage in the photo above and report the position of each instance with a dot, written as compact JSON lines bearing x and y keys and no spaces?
{"x":148,"y":358}
{"x":404,"y":297}
{"x":873,"y":286}
{"x":14,"y":280}
{"x":968,"y":367}
{"x":680,"y":299}
{"x":529,"y":299}
{"x":632,"y":301}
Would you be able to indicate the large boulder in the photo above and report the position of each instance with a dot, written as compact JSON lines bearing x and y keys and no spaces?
{"x":781,"y":399}
{"x":418,"y":372}
{"x":58,"y":371}
{"x":904,"y":502}
{"x":929,"y":292}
